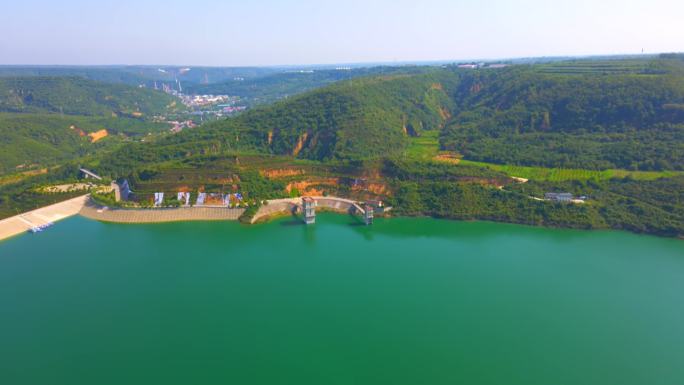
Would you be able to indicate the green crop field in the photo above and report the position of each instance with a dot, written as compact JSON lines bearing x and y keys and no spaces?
{"x":595,"y":67}
{"x":423,"y":147}
{"x":426,"y":147}
{"x":560,"y":174}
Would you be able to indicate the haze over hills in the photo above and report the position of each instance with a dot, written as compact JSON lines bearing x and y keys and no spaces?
{"x":78,"y":96}
{"x":579,"y":116}
{"x":46,"y":110}
{"x":272,"y":87}
{"x":435,"y":140}
{"x":253,"y":85}
{"x":141,"y":75}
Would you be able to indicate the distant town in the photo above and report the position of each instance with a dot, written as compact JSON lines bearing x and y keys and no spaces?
{"x":202,"y":107}
{"x":474,"y":66}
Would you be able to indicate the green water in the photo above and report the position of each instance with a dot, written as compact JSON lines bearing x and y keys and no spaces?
{"x":406,"y":301}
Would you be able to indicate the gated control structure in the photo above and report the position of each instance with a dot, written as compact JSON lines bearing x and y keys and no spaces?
{"x":309,"y":206}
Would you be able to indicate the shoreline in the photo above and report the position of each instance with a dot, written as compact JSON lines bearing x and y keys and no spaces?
{"x":83,"y":206}
{"x":274,"y":209}
{"x":277,"y":207}
{"x":22,"y":223}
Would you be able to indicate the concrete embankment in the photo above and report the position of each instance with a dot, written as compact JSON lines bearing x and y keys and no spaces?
{"x":24,"y":222}
{"x":276,"y":206}
{"x":161,"y":215}
{"x":82,"y":205}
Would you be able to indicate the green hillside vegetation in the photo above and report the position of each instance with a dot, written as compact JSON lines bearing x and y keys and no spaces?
{"x":367,"y":119}
{"x":77,"y":96}
{"x":655,"y":207}
{"x":101,"y":74}
{"x":31,"y":140}
{"x":519,"y":115}
{"x":371,"y":118}
{"x":609,"y":130}
{"x":44,"y":120}
{"x":527,"y":116}
{"x":426,"y":147}
{"x":35,"y":140}
{"x":26,"y":193}
{"x":564,"y":174}
{"x":423,"y":147}
{"x":589,"y":66}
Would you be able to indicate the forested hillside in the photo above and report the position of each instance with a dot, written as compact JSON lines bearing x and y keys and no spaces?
{"x":610,"y":115}
{"x":575,"y":119}
{"x":522,"y":115}
{"x":655,"y":207}
{"x":369,"y":118}
{"x":46,"y":120}
{"x":77,"y":96}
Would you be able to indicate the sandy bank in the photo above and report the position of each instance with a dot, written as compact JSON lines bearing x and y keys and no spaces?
{"x":180,"y":214}
{"x":24,"y":222}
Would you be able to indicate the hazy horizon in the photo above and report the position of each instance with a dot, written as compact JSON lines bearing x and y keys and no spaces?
{"x":353,"y":64}
{"x":306,"y":32}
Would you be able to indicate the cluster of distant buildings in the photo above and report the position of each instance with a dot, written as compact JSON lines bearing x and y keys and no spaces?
{"x":474,"y":66}
{"x":196,"y":101}
{"x":123,"y":192}
{"x":205,"y":100}
{"x":232,"y":109}
{"x":202,"y":105}
{"x":177,"y":126}
{"x":564,"y":197}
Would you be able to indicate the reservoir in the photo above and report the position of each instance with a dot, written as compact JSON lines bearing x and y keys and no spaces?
{"x":404,"y":301}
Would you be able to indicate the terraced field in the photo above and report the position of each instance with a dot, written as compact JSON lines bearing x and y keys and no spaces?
{"x":560,"y":174}
{"x":579,"y":67}
{"x":426,"y":147}
{"x":423,"y":147}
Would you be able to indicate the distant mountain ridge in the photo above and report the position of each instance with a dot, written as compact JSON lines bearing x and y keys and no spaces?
{"x":78,"y":96}
{"x":625,"y":114}
{"x":364,"y":119}
{"x":140,"y":75}
{"x":288,"y":83}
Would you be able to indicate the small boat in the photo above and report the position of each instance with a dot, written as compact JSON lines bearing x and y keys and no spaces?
{"x":40,"y":228}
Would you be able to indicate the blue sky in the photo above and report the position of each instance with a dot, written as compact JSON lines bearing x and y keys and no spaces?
{"x":272,"y":32}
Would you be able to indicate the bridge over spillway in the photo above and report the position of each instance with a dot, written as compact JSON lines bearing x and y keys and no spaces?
{"x":307,"y":206}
